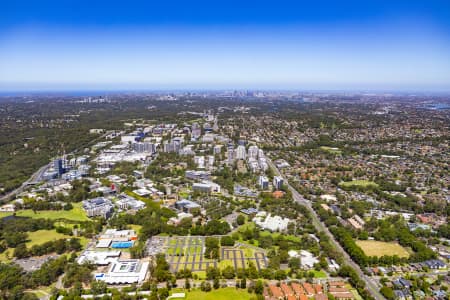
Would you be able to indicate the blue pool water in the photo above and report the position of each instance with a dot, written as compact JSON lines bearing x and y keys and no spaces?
{"x":121,"y":245}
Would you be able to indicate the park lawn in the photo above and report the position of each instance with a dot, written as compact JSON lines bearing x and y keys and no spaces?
{"x":8,"y":252}
{"x":219,"y":294}
{"x":75,"y":214}
{"x":275,"y":235}
{"x":319,"y":274}
{"x":42,"y":236}
{"x":136,"y":228}
{"x":355,"y":183}
{"x":377,"y":248}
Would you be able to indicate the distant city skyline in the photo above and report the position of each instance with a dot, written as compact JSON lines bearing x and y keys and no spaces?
{"x":350,"y":45}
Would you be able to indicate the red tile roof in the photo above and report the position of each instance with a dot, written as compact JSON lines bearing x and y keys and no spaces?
{"x":320,"y":297}
{"x":318,"y":288}
{"x":298,"y":289}
{"x":286,"y":289}
{"x":308,"y":288}
{"x":336,"y":284}
{"x":276,"y":291}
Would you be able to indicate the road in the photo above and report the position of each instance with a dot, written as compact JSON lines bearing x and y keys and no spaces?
{"x":33,"y":178}
{"x":370,"y":284}
{"x":36,"y":177}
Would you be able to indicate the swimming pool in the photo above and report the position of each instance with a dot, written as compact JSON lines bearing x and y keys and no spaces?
{"x":118,"y":245}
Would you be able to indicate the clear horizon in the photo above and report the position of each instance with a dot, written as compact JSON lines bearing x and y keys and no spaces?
{"x":375,"y":45}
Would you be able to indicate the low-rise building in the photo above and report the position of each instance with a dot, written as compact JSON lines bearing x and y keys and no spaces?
{"x":98,"y":207}
{"x":125,"y":272}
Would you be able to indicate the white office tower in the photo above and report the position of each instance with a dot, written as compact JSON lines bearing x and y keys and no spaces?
{"x":210,"y":162}
{"x":263,"y":182}
{"x":196,"y":131}
{"x":253,"y":152}
{"x":199,"y":161}
{"x":277,"y":182}
{"x":261,"y":153}
{"x":231,"y":155}
{"x":215,"y":126}
{"x":241,"y":152}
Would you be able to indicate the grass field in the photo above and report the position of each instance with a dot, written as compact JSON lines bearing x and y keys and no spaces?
{"x":42,"y":236}
{"x":37,"y":238}
{"x":319,"y":274}
{"x":361,"y":183}
{"x":377,"y":248}
{"x":75,"y":214}
{"x":8,"y":252}
{"x":136,"y":228}
{"x":219,"y":294}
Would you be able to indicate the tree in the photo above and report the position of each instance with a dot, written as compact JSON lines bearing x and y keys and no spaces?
{"x":98,"y":287}
{"x":228,"y":272}
{"x":205,"y":286}
{"x":387,"y":292}
{"x":216,"y":283}
{"x":240,"y":220}
{"x":243,"y":283}
{"x":163,"y":293}
{"x":294,"y":263}
{"x":187,"y":284}
{"x":259,"y":287}
{"x":212,"y":273}
{"x":21,"y":251}
{"x":227,"y":241}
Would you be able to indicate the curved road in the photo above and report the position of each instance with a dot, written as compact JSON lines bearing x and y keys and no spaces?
{"x":38,"y":174}
{"x":371,"y":286}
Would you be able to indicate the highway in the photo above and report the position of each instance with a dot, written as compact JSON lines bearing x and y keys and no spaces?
{"x":370,"y":284}
{"x":33,"y":178}
{"x":37,"y":176}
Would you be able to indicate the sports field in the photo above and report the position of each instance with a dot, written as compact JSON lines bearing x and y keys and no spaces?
{"x":377,"y":248}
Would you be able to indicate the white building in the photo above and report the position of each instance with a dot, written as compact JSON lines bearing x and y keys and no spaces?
{"x":206,"y":187}
{"x":275,"y":223}
{"x":253,"y":152}
{"x":263,"y":182}
{"x":241,"y":152}
{"x":199,"y":161}
{"x":126,"y":202}
{"x":101,"y":258}
{"x":278,"y":182}
{"x":125,"y":272}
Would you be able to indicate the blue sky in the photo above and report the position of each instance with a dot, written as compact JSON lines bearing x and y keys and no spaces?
{"x":374,"y":45}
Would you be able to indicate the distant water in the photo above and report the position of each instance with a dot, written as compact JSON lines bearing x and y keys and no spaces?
{"x":437,"y":106}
